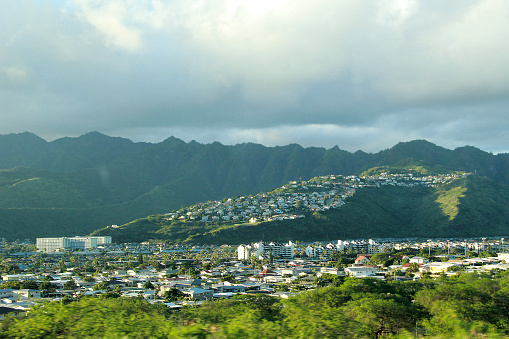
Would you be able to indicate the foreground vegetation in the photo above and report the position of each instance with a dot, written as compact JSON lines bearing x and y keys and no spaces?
{"x":469,"y":305}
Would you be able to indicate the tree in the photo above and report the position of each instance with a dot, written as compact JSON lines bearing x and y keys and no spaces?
{"x":379,"y":316}
{"x":228,"y":277}
{"x":70,"y":285}
{"x":94,"y":318}
{"x":455,"y":251}
{"x":173,"y":294}
{"x":103,"y":285}
{"x":412,"y":268}
{"x":47,"y":278}
{"x":148,"y":285}
{"x":379,"y":258}
{"x":62,"y":266}
{"x":487,"y":254}
{"x":73,"y":260}
{"x":46,"y":286}
{"x":29,"y":284}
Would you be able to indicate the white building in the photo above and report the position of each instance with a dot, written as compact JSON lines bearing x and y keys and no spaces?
{"x":261,"y":249}
{"x":64,"y":243}
{"x":244,"y":252}
{"x":503,"y":256}
{"x":280,"y":250}
{"x":313,"y":252}
{"x":361,"y":271}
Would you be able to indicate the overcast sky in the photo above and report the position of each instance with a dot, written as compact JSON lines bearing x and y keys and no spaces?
{"x":357,"y":74}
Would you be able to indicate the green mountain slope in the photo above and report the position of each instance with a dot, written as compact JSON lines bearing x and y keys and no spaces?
{"x":85,"y":183}
{"x":467,"y":207}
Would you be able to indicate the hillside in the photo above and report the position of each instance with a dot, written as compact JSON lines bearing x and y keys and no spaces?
{"x":465,"y":206}
{"x":77,"y":185}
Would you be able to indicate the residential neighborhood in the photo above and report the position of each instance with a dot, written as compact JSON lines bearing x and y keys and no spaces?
{"x":292,"y":200}
{"x":180,"y":275}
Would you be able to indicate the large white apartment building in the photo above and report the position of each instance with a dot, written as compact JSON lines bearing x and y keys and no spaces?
{"x":261,"y":249}
{"x":74,"y":243}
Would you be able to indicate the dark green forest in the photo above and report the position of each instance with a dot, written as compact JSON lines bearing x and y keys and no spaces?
{"x":465,"y":306}
{"x":73,"y":186}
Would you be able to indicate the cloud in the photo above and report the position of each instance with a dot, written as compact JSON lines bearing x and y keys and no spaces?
{"x":109,"y":19}
{"x":324,"y":72}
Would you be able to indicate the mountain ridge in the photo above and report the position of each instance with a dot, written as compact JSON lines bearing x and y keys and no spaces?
{"x":95,"y":172}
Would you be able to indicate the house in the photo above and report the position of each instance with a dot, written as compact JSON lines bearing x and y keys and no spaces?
{"x":438,"y":267}
{"x":404,"y":267}
{"x":144,"y":293}
{"x":166,"y":272}
{"x":6,"y":293}
{"x":361,"y":271}
{"x":223,"y":295}
{"x":173,"y":306}
{"x":265,"y":273}
{"x":14,"y":277}
{"x":229,"y":288}
{"x":362,"y":259}
{"x":197,"y":293}
{"x":418,"y":260}
{"x":149,"y":294}
{"x":274,"y":279}
{"x":24,"y":294}
{"x":331,"y":270}
{"x":503,"y":256}
{"x":8,"y":310}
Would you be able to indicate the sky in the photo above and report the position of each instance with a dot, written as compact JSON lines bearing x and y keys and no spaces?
{"x":362,"y":75}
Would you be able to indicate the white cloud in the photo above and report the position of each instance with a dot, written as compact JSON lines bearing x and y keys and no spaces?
{"x":451,"y":56}
{"x":111,"y":20}
{"x":273,"y":50}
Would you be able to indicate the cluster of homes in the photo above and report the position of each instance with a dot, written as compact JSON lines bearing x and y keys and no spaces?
{"x":448,"y":265}
{"x":291,"y":200}
{"x":324,"y":251}
{"x":151,"y":283}
{"x":205,"y":272}
{"x":314,"y":251}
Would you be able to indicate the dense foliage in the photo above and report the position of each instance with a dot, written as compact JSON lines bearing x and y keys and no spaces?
{"x":469,"y":305}
{"x":76,"y":185}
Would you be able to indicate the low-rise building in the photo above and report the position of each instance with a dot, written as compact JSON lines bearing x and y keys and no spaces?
{"x":197,"y":293}
{"x":361,"y":271}
{"x":74,"y":243}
